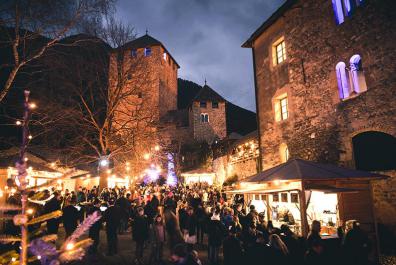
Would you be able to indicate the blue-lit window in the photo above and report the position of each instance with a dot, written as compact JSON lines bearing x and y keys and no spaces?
{"x":147,"y":51}
{"x":351,"y":81}
{"x":345,"y":8}
{"x":134,"y":53}
{"x":202,"y":104}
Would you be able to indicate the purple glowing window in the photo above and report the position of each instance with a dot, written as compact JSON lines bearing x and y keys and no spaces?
{"x":342,"y":80}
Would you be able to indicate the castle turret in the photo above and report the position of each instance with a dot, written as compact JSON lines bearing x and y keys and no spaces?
{"x":208,"y":115}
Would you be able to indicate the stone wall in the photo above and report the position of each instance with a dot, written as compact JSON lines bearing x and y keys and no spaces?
{"x":212,"y":130}
{"x":384,"y":197}
{"x":321,"y":126}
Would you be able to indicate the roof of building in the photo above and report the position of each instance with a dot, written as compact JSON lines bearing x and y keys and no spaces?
{"x":274,"y":17}
{"x":9,"y":157}
{"x":248,"y":137}
{"x":178,"y":117}
{"x":208,"y":94}
{"x":298,"y":169}
{"x":146,"y":41}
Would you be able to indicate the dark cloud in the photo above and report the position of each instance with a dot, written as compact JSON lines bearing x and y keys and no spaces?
{"x":205,"y":38}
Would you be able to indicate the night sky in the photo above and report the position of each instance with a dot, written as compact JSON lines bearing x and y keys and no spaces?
{"x":205,"y":37}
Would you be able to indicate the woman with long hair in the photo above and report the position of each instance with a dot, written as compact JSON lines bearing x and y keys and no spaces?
{"x":278,"y":252}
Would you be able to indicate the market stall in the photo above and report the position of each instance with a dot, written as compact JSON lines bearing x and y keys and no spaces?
{"x":297,"y":192}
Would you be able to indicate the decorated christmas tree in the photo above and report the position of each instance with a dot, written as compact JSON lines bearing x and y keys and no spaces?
{"x":31,"y":241}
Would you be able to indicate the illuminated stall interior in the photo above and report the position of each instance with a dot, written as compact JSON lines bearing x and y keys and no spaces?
{"x":40,"y":171}
{"x":199,"y":175}
{"x":332,"y":195}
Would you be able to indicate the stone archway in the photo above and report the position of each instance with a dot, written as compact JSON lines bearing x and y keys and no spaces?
{"x":374,"y":151}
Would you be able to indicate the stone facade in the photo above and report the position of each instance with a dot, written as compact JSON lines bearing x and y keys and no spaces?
{"x":215,"y":128}
{"x":321,"y":124}
{"x":237,"y":160}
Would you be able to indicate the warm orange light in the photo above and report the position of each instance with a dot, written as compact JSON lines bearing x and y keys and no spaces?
{"x":32,"y":105}
{"x":30,"y":211}
{"x":157,"y":148}
{"x":146,"y":156}
{"x":18,"y":122}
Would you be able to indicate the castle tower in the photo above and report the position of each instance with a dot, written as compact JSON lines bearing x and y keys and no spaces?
{"x":208,"y":115}
{"x":149,"y":72}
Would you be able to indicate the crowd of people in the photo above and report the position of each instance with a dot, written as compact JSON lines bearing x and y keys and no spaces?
{"x":189,"y":219}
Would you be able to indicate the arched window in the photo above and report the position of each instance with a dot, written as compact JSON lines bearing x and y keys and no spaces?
{"x":343,"y":80}
{"x":147,"y":51}
{"x":338,"y":11}
{"x":204,"y":118}
{"x":349,"y":6}
{"x":357,"y":76}
{"x":284,"y":152}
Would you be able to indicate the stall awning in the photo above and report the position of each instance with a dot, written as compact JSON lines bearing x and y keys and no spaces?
{"x":329,"y":189}
{"x":258,"y":191}
{"x":298,"y":169}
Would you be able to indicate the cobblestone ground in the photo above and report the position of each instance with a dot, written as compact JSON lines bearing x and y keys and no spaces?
{"x":126,"y":252}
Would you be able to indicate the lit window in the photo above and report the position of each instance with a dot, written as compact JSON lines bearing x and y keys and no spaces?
{"x":215,"y":105}
{"x":344,"y":8}
{"x":164,"y":56}
{"x":279,"y":51}
{"x":134,"y":53}
{"x":202,"y":104}
{"x":204,"y":118}
{"x":343,"y":80}
{"x":147,"y":51}
{"x":281,"y":108}
{"x":351,"y":81}
{"x":275,"y":197}
{"x":357,"y":75}
{"x":284,"y":112}
{"x":284,"y":152}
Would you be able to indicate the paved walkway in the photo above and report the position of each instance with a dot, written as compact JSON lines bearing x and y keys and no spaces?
{"x":126,"y":252}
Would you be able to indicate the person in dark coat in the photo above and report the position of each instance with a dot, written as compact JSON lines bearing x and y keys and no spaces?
{"x":124,"y":205}
{"x":170,"y":203}
{"x":112,"y":218}
{"x":94,"y":230}
{"x":154,"y":204}
{"x":140,"y":233}
{"x":70,"y":217}
{"x":314,"y":255}
{"x":52,"y":205}
{"x":191,"y":227}
{"x":232,"y":249}
{"x":216,"y":232}
{"x":175,"y":236}
{"x":314,"y":234}
{"x":356,"y":245}
{"x":201,"y":224}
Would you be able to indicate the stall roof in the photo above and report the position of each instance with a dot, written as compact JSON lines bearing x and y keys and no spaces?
{"x":298,"y":169}
{"x":258,"y":191}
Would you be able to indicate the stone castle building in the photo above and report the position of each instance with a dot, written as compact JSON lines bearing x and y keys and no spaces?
{"x":326,"y":89}
{"x":180,"y":118}
{"x":150,"y":72}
